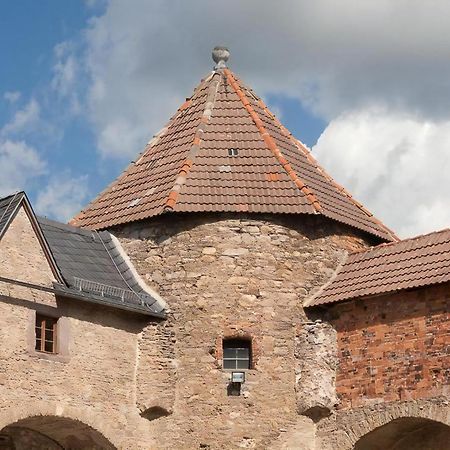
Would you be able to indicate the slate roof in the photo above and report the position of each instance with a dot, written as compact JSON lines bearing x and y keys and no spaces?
{"x":89,"y":264}
{"x":8,"y":206}
{"x":411,"y":263}
{"x":90,"y":261}
{"x":187,"y":167}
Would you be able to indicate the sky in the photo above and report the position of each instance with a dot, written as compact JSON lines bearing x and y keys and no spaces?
{"x":365,"y":84}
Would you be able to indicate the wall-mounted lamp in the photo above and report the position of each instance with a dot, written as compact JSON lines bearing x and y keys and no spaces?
{"x":237,"y":377}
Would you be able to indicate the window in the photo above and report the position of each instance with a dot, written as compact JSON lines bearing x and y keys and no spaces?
{"x":46,"y":329}
{"x":236,"y":354}
{"x":233,"y":152}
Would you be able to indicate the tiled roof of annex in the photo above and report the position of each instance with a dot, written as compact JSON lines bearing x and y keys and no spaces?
{"x":411,"y":263}
{"x":224,"y":151}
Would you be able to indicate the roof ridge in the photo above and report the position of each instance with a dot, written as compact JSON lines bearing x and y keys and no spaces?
{"x":271,"y":145}
{"x":151,"y":143}
{"x":10,"y":199}
{"x":391,"y":244}
{"x":64,"y":226}
{"x":195,"y":147}
{"x":307,"y":153}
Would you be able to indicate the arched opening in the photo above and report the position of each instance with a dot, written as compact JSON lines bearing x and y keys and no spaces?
{"x":51,"y":433}
{"x":407,"y":433}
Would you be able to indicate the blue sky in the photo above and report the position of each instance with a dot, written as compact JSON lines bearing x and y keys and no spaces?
{"x":31,"y":33}
{"x":85,"y":84}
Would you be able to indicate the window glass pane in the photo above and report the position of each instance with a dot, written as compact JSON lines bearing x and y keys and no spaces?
{"x":229,"y":353}
{"x":45,"y":333}
{"x":243,"y":353}
{"x":229,"y":364}
{"x":243,"y":364}
{"x":49,"y":346}
{"x":236,"y":353}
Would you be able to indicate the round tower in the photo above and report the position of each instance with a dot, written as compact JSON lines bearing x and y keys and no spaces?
{"x":234,"y":223}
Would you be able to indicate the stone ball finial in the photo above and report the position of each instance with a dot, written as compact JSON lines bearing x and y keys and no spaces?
{"x":220,"y":56}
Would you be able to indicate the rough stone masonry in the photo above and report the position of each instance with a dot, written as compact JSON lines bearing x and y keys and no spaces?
{"x":228,"y":276}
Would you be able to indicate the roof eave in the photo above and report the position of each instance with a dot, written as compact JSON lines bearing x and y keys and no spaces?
{"x":105,"y":301}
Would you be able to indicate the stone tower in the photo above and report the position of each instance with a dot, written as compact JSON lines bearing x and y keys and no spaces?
{"x":233,"y":222}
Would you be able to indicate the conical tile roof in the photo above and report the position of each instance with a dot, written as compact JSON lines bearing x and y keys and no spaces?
{"x":224,"y":151}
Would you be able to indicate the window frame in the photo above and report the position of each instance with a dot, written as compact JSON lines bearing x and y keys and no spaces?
{"x":237,"y":344}
{"x":47,"y":326}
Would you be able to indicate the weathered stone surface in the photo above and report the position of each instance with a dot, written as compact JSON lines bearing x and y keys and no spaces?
{"x":316,"y":369}
{"x":144,"y":384}
{"x":95,"y":382}
{"x":253,"y":285}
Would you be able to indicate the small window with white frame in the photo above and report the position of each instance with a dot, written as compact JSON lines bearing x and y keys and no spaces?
{"x":237,"y":354}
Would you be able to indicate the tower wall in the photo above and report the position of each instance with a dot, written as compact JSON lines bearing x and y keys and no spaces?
{"x":236,"y":276}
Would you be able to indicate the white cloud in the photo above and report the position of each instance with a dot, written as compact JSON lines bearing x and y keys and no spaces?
{"x":95,"y":3}
{"x":24,"y":120}
{"x":344,"y":60}
{"x":145,"y":57}
{"x":66,"y":72}
{"x":19,"y":164}
{"x":396,"y":163}
{"x":63,"y":196}
{"x":64,"y":75}
{"x":12,"y":96}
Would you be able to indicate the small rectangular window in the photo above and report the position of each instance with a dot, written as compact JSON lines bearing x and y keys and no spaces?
{"x":233,"y":152}
{"x":46,"y":334}
{"x":236,"y":354}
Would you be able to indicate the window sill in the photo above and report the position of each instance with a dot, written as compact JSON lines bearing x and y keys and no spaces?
{"x":54,"y":357}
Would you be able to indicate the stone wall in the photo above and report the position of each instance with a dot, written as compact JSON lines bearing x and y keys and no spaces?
{"x":229,"y":276}
{"x":93,"y":380}
{"x":393,"y":347}
{"x":160,"y":384}
{"x":22,"y":258}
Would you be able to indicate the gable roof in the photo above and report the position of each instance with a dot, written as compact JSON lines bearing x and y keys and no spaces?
{"x":88,"y":265}
{"x":411,"y":263}
{"x":187,"y":167}
{"x":8,"y":208}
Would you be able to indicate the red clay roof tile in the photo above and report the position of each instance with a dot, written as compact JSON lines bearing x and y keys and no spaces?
{"x":192,"y":165}
{"x":412,"y":263}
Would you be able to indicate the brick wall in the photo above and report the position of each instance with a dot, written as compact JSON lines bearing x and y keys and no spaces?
{"x":394,"y":347}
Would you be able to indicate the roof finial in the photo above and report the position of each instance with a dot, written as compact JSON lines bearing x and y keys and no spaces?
{"x":220,"y":56}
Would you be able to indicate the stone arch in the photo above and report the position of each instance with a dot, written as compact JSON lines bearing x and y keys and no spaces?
{"x":407,"y":433}
{"x":66,"y":427}
{"x":343,"y":430}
